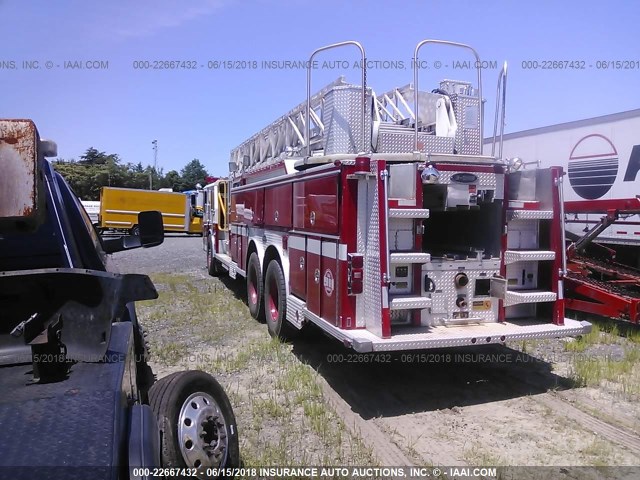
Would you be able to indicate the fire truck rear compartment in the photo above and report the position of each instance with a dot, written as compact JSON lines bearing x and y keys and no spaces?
{"x":463,"y":233}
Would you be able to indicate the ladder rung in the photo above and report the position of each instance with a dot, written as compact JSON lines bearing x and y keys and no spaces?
{"x":410,"y":257}
{"x":513,"y":256}
{"x":408,"y":213}
{"x":409,"y":303}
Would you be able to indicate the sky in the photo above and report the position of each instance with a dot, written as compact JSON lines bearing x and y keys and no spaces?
{"x":121,"y":104}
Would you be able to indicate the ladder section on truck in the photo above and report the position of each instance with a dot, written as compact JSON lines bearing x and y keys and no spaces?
{"x":347,"y":119}
{"x":335,"y":127}
{"x":530,"y":258}
{"x":448,"y":120}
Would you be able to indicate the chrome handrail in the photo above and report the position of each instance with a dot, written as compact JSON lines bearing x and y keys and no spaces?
{"x":415,"y":81}
{"x":307,"y":131}
{"x":502,"y":86}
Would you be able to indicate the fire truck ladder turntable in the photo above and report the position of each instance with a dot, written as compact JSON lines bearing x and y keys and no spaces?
{"x":407,"y":296}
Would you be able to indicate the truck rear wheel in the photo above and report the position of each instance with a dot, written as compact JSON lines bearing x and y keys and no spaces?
{"x":275,"y":300}
{"x":255,"y":297}
{"x":196,"y":421}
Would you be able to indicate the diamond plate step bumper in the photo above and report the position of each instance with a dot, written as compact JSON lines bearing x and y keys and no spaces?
{"x":513,"y":256}
{"x":423,"y":338}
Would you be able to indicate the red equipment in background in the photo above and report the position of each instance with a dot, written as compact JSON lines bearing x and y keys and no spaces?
{"x":596,"y":283}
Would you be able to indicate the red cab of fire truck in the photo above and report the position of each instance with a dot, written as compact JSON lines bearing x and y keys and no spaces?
{"x":377,"y":218}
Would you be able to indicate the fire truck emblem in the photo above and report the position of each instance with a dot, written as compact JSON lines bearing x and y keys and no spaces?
{"x":329,"y":282}
{"x":593,"y":166}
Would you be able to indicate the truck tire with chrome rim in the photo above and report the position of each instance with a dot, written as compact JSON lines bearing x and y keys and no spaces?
{"x":255,"y":287}
{"x":275,"y":302}
{"x":196,"y":421}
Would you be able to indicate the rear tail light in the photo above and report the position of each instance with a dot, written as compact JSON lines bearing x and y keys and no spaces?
{"x":355,"y":273}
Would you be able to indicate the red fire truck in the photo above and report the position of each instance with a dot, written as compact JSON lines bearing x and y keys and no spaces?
{"x":377,"y":218}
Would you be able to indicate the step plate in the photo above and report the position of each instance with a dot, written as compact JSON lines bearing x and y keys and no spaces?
{"x":422,"y":338}
{"x":410,"y":257}
{"x":408,"y":213}
{"x":529,"y":214}
{"x":513,"y":256}
{"x":408,"y":303}
{"x":518,"y":297}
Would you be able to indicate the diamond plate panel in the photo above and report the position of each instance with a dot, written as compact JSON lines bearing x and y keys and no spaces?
{"x":515,"y":298}
{"x":407,"y":303}
{"x":529,"y":214}
{"x":513,"y":256}
{"x":486,"y":333}
{"x":361,"y":245}
{"x":467,"y":111}
{"x":401,"y":234}
{"x":397,"y":139}
{"x":408,"y":213}
{"x":295,"y":310}
{"x":426,"y":337}
{"x":372,"y":280}
{"x":485,"y":180}
{"x":445,"y":295}
{"x":410,"y":257}
{"x":341,"y":116}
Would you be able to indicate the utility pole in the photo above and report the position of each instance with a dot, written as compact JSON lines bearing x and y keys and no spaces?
{"x":155,"y":163}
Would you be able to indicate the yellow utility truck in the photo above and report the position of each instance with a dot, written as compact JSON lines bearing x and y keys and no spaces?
{"x":119,"y":208}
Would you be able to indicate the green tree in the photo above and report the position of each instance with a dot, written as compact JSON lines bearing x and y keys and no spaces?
{"x":96,"y":169}
{"x":94,"y":157}
{"x":172,"y":180}
{"x":192,"y":173}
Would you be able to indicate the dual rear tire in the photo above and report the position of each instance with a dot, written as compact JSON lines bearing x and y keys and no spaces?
{"x":267,"y":299}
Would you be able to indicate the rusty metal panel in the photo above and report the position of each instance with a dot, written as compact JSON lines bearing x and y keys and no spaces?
{"x":19,"y":184}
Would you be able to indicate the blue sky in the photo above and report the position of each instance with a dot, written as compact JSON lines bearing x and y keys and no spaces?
{"x":203,"y":113}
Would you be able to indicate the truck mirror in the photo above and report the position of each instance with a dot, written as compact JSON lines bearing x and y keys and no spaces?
{"x":151,"y":234}
{"x":21,"y":181}
{"x":151,"y":228}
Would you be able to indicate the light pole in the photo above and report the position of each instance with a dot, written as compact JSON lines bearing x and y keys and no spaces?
{"x":155,"y":163}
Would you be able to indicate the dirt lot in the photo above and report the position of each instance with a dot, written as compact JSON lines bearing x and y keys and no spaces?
{"x":551,"y":404}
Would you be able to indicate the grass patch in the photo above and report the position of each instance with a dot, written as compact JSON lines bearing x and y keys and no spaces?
{"x":605,"y":332}
{"x":581,"y":343}
{"x":168,"y":353}
{"x":600,"y":452}
{"x":591,"y":371}
{"x":480,"y":457}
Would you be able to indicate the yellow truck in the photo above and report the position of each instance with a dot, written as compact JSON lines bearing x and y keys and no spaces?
{"x":119,"y":208}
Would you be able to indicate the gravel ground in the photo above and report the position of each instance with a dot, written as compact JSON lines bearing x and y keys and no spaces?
{"x":178,"y":253}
